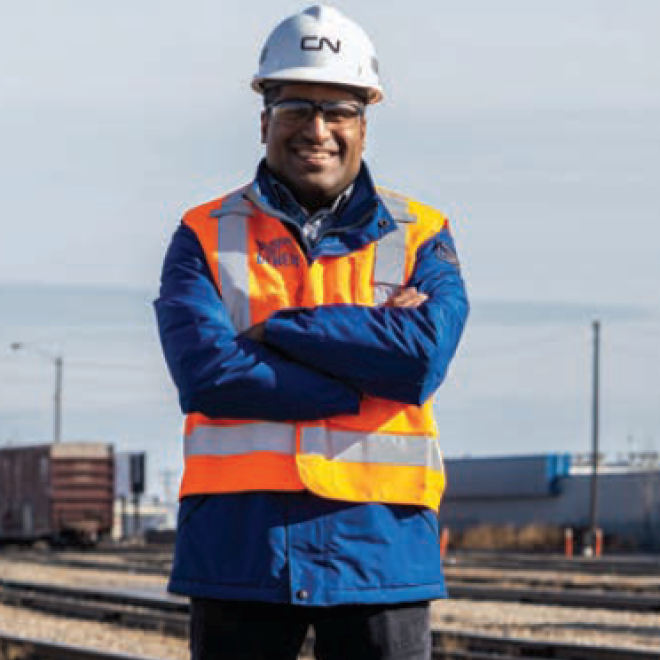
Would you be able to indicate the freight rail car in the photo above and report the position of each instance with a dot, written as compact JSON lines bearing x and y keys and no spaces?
{"x":61,"y":493}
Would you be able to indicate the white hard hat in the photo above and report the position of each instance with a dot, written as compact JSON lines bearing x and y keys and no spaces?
{"x":320,"y":45}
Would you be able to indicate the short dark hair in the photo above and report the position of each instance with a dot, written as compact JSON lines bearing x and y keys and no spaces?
{"x":271,"y":93}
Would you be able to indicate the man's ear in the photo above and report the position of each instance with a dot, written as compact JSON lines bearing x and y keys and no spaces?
{"x":264,"y":126}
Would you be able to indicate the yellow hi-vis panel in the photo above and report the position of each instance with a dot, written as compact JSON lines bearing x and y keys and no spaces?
{"x":389,"y":451}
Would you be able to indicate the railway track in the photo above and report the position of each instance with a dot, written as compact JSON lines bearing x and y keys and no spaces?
{"x":158,"y":562}
{"x":159,"y":556}
{"x":24,"y":648}
{"x":447,"y":645}
{"x":451,"y":645}
{"x":552,"y":580}
{"x":608,"y":600}
{"x":640,"y":566}
{"x":505,"y":589}
{"x":165,"y":615}
{"x":170,"y":615}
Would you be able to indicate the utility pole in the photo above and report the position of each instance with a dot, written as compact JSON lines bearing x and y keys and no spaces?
{"x":595,"y":424}
{"x":58,"y":361}
{"x":57,"y":398}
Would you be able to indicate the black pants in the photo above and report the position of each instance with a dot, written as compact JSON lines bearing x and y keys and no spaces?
{"x":236,"y":630}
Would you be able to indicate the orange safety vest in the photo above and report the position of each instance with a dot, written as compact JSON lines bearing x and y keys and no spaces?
{"x":389,"y":451}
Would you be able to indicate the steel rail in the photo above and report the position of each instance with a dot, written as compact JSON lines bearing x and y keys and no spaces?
{"x":607,"y":565}
{"x":25,"y":648}
{"x":165,"y":615}
{"x":505,"y":579}
{"x":141,"y":566}
{"x":161,"y":564}
{"x":452,"y":645}
{"x":447,"y":645}
{"x":171,"y":617}
{"x":567,"y":598}
{"x":522,"y":590}
{"x":604,"y":600}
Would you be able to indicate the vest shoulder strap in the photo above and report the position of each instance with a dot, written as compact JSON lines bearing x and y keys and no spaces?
{"x":390,"y":262}
{"x":233,"y":204}
{"x":398,"y":205}
{"x":220,"y":222}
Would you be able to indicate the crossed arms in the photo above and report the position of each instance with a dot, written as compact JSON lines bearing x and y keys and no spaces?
{"x":307,"y":363}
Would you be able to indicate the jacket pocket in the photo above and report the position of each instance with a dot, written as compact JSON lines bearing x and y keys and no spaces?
{"x":231,"y":539}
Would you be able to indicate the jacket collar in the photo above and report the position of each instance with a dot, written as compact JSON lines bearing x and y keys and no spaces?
{"x":356,"y":218}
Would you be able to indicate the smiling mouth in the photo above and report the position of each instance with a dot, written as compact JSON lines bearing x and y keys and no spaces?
{"x":314,"y":157}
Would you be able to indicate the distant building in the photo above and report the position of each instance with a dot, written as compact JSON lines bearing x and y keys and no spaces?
{"x":150,"y":516}
{"x":555,"y":490}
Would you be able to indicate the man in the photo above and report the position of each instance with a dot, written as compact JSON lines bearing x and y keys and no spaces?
{"x":307,"y":319}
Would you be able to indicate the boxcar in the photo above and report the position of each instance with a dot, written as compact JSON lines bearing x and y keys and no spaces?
{"x":62,"y":493}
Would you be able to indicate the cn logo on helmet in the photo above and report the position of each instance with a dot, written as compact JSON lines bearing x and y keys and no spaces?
{"x":316,"y":43}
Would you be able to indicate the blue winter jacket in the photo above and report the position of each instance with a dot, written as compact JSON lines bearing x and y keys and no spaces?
{"x":297,"y":547}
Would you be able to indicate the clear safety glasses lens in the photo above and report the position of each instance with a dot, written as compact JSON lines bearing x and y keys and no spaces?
{"x":299,"y":111}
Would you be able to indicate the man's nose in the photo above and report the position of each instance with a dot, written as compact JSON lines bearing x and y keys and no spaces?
{"x":316,"y":128}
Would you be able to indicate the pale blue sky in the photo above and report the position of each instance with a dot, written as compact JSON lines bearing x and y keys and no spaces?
{"x":534,"y":125}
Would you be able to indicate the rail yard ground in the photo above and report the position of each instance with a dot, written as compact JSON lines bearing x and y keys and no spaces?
{"x":592,"y":625}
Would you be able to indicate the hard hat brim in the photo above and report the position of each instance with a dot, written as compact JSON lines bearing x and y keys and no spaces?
{"x":374,"y":93}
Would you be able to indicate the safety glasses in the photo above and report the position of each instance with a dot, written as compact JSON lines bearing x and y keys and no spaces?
{"x":300,"y":111}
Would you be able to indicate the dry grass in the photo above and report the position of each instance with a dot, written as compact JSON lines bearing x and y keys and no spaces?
{"x":509,"y":537}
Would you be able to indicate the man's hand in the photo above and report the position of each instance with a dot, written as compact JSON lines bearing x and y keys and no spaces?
{"x":406,"y":297}
{"x":257,"y":332}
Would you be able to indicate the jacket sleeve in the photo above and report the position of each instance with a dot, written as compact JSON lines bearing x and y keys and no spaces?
{"x":394,"y":353}
{"x":222,"y":374}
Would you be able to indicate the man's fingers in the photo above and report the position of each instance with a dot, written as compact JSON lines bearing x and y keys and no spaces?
{"x":412,"y":301}
{"x":256,"y":332}
{"x":408,"y":297}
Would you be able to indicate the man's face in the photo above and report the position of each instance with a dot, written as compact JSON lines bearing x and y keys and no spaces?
{"x":315,"y":159}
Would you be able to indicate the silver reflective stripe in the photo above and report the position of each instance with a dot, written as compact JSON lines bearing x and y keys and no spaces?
{"x":241,"y":439}
{"x":390,"y":264}
{"x":355,"y":447}
{"x":232,"y":258}
{"x":389,"y":267}
{"x":398,"y":206}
